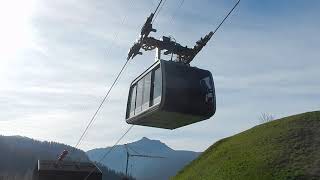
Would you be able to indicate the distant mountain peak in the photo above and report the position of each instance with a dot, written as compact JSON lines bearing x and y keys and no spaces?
{"x":145,"y":168}
{"x":150,"y":144}
{"x":145,"y":138}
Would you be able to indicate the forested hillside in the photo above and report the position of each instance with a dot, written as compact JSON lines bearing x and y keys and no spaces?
{"x":18,"y":157}
{"x":20,"y":154}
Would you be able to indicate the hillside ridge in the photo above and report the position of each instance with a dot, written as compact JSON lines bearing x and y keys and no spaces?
{"x":287,"y":148}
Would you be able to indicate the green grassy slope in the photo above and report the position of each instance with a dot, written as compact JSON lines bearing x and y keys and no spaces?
{"x":288,"y":148}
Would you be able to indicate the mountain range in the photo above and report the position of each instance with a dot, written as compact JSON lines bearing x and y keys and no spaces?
{"x":20,"y":154}
{"x":143,"y":168}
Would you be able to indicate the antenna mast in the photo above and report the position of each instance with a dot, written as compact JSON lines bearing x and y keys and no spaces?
{"x":136,"y":155}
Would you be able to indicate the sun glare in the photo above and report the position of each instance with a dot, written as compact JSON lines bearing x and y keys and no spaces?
{"x":15,"y":27}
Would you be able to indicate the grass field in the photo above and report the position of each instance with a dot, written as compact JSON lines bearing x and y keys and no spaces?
{"x":288,"y":148}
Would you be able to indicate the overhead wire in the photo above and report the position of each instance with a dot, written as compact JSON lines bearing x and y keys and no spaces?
{"x":137,"y":149}
{"x":159,"y":7}
{"x":113,"y":84}
{"x":157,"y":10}
{"x":91,"y":121}
{"x":93,"y":118}
{"x":156,"y":13}
{"x":172,"y":21}
{"x":100,"y":105}
{"x":175,"y":12}
{"x":110,"y":150}
{"x":217,"y":28}
{"x":224,"y":19}
{"x":133,"y":150}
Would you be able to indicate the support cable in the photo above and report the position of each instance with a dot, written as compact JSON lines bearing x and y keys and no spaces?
{"x":226,"y":17}
{"x":216,"y":31}
{"x":110,"y":150}
{"x":100,"y":105}
{"x":106,"y":96}
{"x":156,"y":13}
{"x":108,"y":92}
{"x":133,"y":150}
{"x":175,"y":12}
{"x":127,"y":131}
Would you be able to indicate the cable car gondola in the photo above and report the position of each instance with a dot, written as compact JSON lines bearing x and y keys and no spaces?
{"x":171,"y":95}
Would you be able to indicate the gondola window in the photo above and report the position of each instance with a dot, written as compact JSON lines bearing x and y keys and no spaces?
{"x":157,"y":87}
{"x":146,"y":91}
{"x":133,"y":94}
{"x":139,"y":97}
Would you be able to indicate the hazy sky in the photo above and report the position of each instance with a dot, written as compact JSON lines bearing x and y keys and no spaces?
{"x":58,"y":58}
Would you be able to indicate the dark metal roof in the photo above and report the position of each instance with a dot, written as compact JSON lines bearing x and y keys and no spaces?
{"x":49,"y":165}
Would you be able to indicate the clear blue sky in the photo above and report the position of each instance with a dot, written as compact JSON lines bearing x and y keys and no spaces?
{"x":57,"y":59}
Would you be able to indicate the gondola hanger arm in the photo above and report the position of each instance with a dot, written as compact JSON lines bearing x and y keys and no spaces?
{"x":185,"y":55}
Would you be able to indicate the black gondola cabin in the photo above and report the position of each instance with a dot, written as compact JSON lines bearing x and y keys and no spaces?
{"x":171,"y":95}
